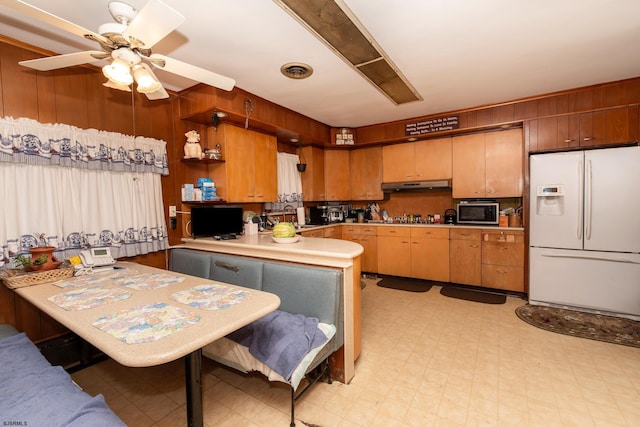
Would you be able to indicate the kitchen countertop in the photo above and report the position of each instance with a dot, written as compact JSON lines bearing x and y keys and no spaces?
{"x":395,"y":224}
{"x":309,"y":250}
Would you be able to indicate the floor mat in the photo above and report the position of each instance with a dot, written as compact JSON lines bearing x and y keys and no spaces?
{"x":592,"y":326}
{"x":405,"y":284}
{"x":473,"y":295}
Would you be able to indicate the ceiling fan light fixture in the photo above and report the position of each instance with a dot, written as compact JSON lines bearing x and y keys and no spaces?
{"x":113,"y":85}
{"x":118,"y":72}
{"x":146,"y":81}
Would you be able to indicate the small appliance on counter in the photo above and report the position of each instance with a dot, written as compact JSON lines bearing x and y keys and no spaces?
{"x":327,"y":214}
{"x":335,"y":214}
{"x":450,"y":216}
{"x":318,"y":215}
{"x":478,"y":212}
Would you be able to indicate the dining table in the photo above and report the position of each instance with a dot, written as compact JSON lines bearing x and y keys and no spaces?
{"x":142,"y":316}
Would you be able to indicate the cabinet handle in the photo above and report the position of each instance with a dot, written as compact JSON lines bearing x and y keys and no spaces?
{"x":473,"y":246}
{"x":569,"y":140}
{"x":465,"y":234}
{"x":502,"y":248}
{"x":478,"y":192}
{"x":588,"y":138}
{"x":501,"y":271}
{"x":392,"y":231}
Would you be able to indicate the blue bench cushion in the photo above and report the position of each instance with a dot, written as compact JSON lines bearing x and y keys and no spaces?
{"x":187,"y":261}
{"x":35,"y":393}
{"x":310,"y":291}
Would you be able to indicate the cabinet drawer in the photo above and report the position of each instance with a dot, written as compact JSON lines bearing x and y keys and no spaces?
{"x":503,"y":236}
{"x":465,"y":234}
{"x":503,"y":277}
{"x":359,"y":229}
{"x":430,"y":232}
{"x":503,"y":253}
{"x":394,"y":231}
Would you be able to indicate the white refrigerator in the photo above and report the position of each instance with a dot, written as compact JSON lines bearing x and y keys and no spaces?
{"x":584,"y":223}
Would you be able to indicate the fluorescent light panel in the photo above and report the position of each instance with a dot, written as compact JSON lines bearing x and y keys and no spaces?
{"x":331,"y":23}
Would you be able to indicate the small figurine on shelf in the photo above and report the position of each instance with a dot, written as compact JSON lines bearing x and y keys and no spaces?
{"x":192,"y":148}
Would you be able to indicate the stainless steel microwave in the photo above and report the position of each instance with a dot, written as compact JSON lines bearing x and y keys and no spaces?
{"x":481,"y":213}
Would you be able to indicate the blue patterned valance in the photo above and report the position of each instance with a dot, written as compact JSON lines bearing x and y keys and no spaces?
{"x":28,"y":141}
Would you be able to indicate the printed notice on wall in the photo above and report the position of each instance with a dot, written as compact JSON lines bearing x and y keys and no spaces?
{"x":432,"y":125}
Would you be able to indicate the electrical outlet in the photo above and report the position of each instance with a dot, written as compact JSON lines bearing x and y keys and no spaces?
{"x":172,"y":212}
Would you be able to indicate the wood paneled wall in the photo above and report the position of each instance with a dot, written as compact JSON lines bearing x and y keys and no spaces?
{"x":76,"y":96}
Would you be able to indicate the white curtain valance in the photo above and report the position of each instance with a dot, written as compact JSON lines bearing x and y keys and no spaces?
{"x":30,"y":142}
{"x":289,"y":181}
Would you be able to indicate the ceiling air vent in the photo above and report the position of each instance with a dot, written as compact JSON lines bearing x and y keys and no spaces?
{"x":296,"y":70}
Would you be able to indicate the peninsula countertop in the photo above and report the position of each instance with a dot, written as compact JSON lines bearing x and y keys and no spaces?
{"x":310,"y":250}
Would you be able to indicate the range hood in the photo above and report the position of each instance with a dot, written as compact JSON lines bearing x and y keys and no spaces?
{"x":396,"y":187}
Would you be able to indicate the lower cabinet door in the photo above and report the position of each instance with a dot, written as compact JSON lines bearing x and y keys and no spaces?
{"x":503,"y":277}
{"x":394,"y":256}
{"x":465,"y":258}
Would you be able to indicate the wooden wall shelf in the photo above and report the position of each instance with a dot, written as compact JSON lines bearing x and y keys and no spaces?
{"x":201,"y":161}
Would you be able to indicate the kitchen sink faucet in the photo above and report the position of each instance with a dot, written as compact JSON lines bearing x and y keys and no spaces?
{"x":284,"y":213}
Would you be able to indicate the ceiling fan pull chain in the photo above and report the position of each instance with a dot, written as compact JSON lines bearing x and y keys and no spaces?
{"x":248,"y":109}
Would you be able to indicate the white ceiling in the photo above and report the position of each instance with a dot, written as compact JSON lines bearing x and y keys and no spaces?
{"x":456,"y":53}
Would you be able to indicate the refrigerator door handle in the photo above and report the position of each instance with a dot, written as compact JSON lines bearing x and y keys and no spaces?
{"x":588,"y":212}
{"x":580,"y":200}
{"x":597,"y":258}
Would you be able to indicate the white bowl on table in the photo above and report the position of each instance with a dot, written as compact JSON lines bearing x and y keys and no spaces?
{"x":285,"y":239}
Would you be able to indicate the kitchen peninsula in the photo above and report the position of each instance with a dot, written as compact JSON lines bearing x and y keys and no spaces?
{"x":332,"y":253}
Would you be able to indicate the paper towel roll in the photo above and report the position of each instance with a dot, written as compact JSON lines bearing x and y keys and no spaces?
{"x":250,"y":228}
{"x":300,"y":212}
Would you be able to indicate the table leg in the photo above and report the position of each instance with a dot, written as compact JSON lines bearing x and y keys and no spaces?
{"x":193,"y":377}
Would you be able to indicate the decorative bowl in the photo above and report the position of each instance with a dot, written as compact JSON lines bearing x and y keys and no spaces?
{"x":285,"y":239}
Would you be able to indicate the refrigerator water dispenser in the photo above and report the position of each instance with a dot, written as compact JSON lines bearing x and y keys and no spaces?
{"x":550,"y":199}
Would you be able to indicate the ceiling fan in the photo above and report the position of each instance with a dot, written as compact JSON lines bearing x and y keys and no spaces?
{"x":128,"y":41}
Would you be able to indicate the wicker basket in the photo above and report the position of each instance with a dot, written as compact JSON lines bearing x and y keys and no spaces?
{"x":19,"y":279}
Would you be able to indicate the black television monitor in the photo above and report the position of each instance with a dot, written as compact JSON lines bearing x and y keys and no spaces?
{"x":216,"y":221}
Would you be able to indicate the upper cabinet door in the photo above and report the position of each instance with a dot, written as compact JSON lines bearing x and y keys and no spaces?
{"x":266,"y":168}
{"x":313,"y":176}
{"x":337,"y":176}
{"x":469,"y":166}
{"x":432,"y":159}
{"x":366,"y":174}
{"x":504,"y":156}
{"x":397,"y":165}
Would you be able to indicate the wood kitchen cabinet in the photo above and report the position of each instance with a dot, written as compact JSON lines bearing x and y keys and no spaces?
{"x":417,"y":161}
{"x":332,"y":232}
{"x":313,"y":177}
{"x":488,"y":165}
{"x":465,"y":256}
{"x":366,"y":174}
{"x":249,"y":173}
{"x":611,"y":126}
{"x":394,"y":250}
{"x":365,"y":235}
{"x":503,"y":260}
{"x":337,"y":175}
{"x":430,"y":253}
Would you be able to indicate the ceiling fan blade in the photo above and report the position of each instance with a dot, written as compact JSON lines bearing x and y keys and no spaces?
{"x":192,"y":72}
{"x":62,"y":61}
{"x":159,"y":94}
{"x":152,"y":23}
{"x":44,"y":16}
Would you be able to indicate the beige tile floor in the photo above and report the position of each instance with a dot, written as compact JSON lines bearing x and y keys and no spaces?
{"x":427,"y":360}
